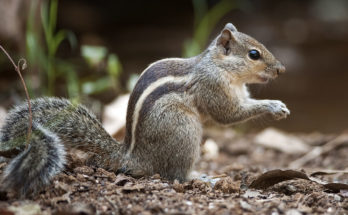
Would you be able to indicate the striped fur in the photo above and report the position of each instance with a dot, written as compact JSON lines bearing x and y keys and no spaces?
{"x":145,"y":100}
{"x":165,"y":68}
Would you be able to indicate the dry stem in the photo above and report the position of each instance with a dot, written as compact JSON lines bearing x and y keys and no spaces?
{"x":18,"y":70}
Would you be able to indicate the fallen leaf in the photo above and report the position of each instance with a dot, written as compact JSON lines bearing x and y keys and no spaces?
{"x":272,"y":177}
{"x":336,"y":187}
{"x":122,"y":179}
{"x":275,"y":139}
{"x":328,"y":172}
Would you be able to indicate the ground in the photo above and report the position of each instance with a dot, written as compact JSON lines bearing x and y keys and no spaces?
{"x":231,"y":173}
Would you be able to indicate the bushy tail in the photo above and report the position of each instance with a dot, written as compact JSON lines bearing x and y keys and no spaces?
{"x":58,"y":126}
{"x":34,"y":167}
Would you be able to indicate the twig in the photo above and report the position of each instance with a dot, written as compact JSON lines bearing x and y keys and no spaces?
{"x":18,"y":70}
{"x":318,"y":151}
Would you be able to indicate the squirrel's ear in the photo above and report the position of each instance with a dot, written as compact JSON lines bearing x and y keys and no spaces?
{"x":230,"y":27}
{"x":226,"y":34}
{"x":225,"y":38}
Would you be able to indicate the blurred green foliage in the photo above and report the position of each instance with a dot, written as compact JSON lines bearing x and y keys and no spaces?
{"x":53,"y":41}
{"x":205,"y":21}
{"x":95,"y":56}
{"x":44,"y":40}
{"x":41,"y":54}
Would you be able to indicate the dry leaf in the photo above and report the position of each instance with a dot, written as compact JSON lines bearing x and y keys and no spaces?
{"x":275,"y":139}
{"x":272,"y":177}
{"x":122,"y":179}
{"x":336,"y":187}
{"x":328,"y":172}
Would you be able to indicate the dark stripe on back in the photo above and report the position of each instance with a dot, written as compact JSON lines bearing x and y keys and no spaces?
{"x":151,"y":75}
{"x":150,"y":101}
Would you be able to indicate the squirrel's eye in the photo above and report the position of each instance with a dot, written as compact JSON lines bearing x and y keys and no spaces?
{"x":254,"y":54}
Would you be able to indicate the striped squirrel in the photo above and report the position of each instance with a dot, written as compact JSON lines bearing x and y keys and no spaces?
{"x":167,"y":108}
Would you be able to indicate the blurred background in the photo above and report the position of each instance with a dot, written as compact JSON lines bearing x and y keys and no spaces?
{"x":93,"y":50}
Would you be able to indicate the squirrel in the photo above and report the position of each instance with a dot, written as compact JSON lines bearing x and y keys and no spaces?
{"x":167,"y":109}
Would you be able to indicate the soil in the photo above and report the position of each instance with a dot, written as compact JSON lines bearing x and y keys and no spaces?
{"x":226,"y":188}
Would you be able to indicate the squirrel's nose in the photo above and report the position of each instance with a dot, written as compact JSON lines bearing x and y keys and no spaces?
{"x":280,"y":68}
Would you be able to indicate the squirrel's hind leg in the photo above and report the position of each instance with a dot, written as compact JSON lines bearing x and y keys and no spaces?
{"x":167,"y":142}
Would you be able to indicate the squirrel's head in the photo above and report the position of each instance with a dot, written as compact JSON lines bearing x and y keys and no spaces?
{"x":243,"y":57}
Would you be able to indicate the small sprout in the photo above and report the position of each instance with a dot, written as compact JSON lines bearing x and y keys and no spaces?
{"x":23,"y":62}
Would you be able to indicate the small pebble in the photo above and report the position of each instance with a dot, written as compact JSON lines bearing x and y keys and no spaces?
{"x":337,"y":197}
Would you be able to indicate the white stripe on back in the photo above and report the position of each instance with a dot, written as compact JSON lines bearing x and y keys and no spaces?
{"x":152,"y":87}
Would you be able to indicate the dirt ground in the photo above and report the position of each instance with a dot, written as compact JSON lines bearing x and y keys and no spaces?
{"x":233,"y":182}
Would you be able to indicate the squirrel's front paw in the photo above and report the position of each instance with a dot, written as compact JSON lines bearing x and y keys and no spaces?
{"x":278,"y":109}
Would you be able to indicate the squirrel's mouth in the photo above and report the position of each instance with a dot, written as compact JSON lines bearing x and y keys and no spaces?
{"x":264,"y":78}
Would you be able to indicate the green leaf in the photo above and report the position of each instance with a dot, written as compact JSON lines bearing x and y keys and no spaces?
{"x":53,"y":15}
{"x":205,"y":24}
{"x":93,"y":54}
{"x":95,"y":87}
{"x":45,"y":22}
{"x":114,"y":66}
{"x":73,"y":84}
{"x":71,"y":38}
{"x":58,"y":38}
